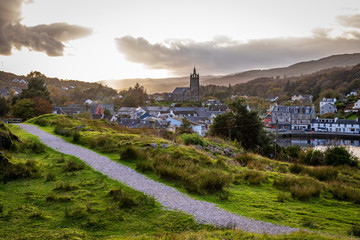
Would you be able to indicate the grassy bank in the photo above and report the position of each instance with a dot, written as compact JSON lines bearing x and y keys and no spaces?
{"x":63,"y":198}
{"x":318,"y":198}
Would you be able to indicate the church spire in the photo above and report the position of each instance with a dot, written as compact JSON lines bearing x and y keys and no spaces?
{"x":194,"y":70}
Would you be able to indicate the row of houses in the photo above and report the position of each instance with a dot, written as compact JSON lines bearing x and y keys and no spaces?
{"x":170,"y":118}
{"x":304,"y":118}
{"x":155,"y":117}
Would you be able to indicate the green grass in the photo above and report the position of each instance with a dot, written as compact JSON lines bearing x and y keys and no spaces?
{"x":78,"y":203}
{"x":252,"y":192}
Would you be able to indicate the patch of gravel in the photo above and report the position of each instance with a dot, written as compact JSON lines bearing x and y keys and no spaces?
{"x":168,"y":197}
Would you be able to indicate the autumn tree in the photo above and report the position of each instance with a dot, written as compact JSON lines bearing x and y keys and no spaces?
{"x":41,"y":106}
{"x":133,"y":97}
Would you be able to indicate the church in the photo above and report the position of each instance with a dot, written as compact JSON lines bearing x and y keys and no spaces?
{"x":186,"y":94}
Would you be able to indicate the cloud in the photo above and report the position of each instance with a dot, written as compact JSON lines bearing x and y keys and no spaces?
{"x":41,"y":38}
{"x":349,"y":21}
{"x":223,"y":55}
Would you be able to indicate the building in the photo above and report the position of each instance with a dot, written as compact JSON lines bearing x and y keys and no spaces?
{"x":335,"y":125}
{"x":186,"y":94}
{"x":327,"y":105}
{"x":292,"y":117}
{"x":356,"y":106}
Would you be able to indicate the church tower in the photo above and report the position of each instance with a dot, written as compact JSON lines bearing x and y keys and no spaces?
{"x":195,"y":86}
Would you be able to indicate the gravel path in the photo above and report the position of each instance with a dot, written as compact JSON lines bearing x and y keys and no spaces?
{"x":168,"y":197}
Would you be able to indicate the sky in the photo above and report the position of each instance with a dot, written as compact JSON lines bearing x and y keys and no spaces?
{"x":92,"y":40}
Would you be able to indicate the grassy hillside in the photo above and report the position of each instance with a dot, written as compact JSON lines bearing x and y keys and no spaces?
{"x":322,"y":198}
{"x":47,"y":195}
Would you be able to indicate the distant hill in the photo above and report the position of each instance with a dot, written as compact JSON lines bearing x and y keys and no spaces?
{"x":298,"y":69}
{"x":153,"y":85}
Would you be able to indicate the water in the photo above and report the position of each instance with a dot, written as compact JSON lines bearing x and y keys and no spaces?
{"x":315,"y":142}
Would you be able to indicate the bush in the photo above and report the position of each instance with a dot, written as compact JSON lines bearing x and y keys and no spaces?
{"x":60,"y":130}
{"x":339,"y":156}
{"x":104,"y":143}
{"x":296,"y":169}
{"x":312,"y":157}
{"x":72,"y":166}
{"x":42,"y":122}
{"x":243,"y":159}
{"x":9,"y":171}
{"x":302,"y":188}
{"x":36,"y":147}
{"x":122,"y":198}
{"x":131,"y":153}
{"x":253,"y":177}
{"x":323,"y":173}
{"x":76,"y":137}
{"x":193,"y":139}
{"x":293,"y":152}
{"x":344,"y":193}
{"x":145,"y":166}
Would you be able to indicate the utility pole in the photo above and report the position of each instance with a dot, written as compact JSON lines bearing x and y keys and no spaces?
{"x":276,"y":134}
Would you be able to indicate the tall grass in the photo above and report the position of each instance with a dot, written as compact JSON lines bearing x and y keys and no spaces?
{"x":301,"y":188}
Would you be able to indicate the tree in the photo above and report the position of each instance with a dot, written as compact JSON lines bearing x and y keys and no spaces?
{"x":4,"y":106}
{"x":41,"y":106}
{"x":24,"y":109}
{"x":240,"y":124}
{"x":185,"y":126}
{"x":36,"y":88}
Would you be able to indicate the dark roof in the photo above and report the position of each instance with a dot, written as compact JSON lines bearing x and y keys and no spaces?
{"x":197,"y":119}
{"x":189,"y":109}
{"x":293,"y":109}
{"x":128,"y":122}
{"x":180,"y":90}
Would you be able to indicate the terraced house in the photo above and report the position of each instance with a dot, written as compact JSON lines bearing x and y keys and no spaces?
{"x":292,"y":117}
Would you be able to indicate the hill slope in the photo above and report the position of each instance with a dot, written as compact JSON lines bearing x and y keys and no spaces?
{"x":297,"y":69}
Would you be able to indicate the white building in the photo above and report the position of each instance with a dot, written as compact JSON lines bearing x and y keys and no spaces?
{"x":356,"y":106}
{"x":335,"y":125}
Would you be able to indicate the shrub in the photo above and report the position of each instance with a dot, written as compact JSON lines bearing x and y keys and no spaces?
{"x":60,"y":130}
{"x":36,"y":147}
{"x":344,"y":193}
{"x":296,"y":169}
{"x":302,"y":188}
{"x":131,"y":153}
{"x":339,"y":156}
{"x":42,"y":122}
{"x":144,"y":166}
{"x":104,"y":143}
{"x":293,"y":152}
{"x":213,"y":181}
{"x":323,"y":173}
{"x":72,"y":166}
{"x":312,"y":157}
{"x":122,"y":198}
{"x":76,"y":137}
{"x":253,"y":177}
{"x":193,"y":139}
{"x":243,"y":159}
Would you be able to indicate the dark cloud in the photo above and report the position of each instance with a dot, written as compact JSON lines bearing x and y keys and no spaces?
{"x":223,"y":55}
{"x":350,"y":21}
{"x":42,"y":38}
